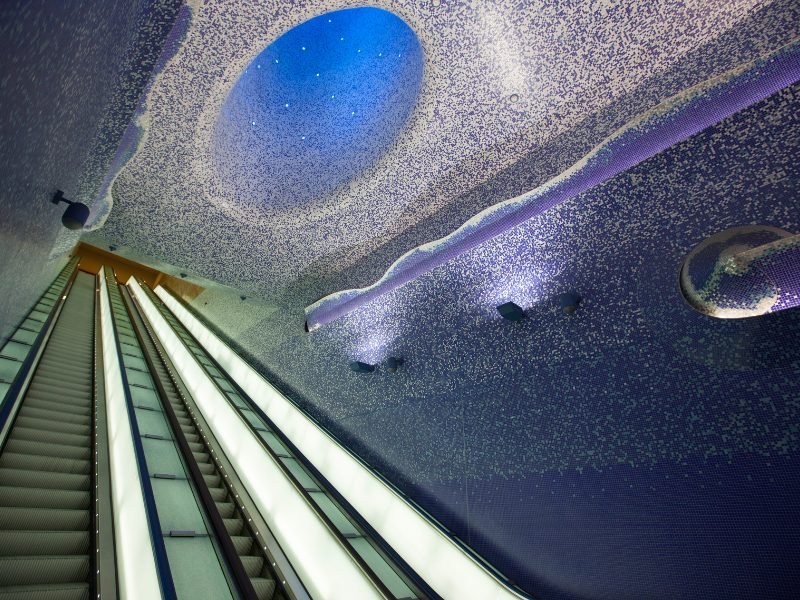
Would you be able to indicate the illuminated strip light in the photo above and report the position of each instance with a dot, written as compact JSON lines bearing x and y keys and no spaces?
{"x":324,"y":565}
{"x":446,"y":567}
{"x":136,"y":565}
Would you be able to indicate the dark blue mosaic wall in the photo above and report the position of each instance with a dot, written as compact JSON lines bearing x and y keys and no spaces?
{"x":638,"y":449}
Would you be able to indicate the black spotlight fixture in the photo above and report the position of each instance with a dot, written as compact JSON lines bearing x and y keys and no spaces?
{"x":511,"y":311}
{"x":75,"y":216}
{"x":243,"y":298}
{"x":183,"y":275}
{"x":361,"y":367}
{"x":112,"y":247}
{"x":569,"y":302}
{"x":393,"y":363}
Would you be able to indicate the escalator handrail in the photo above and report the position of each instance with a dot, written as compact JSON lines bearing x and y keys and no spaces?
{"x":104,"y":562}
{"x":17,"y":389}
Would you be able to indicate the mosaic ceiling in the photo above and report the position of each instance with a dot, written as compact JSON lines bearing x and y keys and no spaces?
{"x":502,"y":81}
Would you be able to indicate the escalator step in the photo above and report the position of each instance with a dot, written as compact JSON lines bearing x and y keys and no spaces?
{"x":39,"y":498}
{"x":242,"y":543}
{"x":54,"y":426}
{"x":218,"y":493}
{"x":206,"y":468}
{"x":44,"y":479}
{"x":53,"y":415}
{"x":11,"y":460}
{"x":46,"y":449}
{"x":42,"y":519}
{"x":48,"y":372}
{"x":63,"y":406}
{"x":26,"y":570}
{"x":28,"y":543}
{"x":265,"y":588}
{"x":59,"y":385}
{"x":226,"y":509}
{"x":54,"y":437}
{"x":201,"y":457}
{"x":233,"y":526}
{"x":55,"y":405}
{"x":69,"y":400}
{"x":252,"y":565}
{"x":211,"y":480}
{"x":55,"y":591}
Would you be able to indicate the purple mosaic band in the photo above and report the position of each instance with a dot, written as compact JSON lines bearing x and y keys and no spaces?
{"x":644,"y":140}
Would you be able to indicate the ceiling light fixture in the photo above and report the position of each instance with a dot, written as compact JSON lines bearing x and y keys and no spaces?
{"x":569,"y":302}
{"x":511,"y":311}
{"x":393,"y":363}
{"x":75,"y":216}
{"x":361,"y":367}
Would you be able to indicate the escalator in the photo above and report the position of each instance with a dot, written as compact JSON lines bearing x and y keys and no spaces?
{"x":47,"y":528}
{"x":245,"y":557}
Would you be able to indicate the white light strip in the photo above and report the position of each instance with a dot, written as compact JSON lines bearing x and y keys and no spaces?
{"x":136,"y":566}
{"x":450,"y":571}
{"x":324,"y":566}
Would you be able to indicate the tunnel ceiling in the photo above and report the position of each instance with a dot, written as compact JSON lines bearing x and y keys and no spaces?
{"x":638,"y":449}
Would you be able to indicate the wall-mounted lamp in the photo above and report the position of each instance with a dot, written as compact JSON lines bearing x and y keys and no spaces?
{"x":361,"y":367}
{"x":569,"y":302}
{"x":393,"y":363}
{"x":75,"y":216}
{"x":511,"y":311}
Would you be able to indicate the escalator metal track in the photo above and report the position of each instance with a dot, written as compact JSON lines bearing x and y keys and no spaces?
{"x":46,"y":515}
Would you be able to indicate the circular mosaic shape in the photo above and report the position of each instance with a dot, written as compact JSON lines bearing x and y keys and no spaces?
{"x":718,"y":277}
{"x":317,"y":107}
